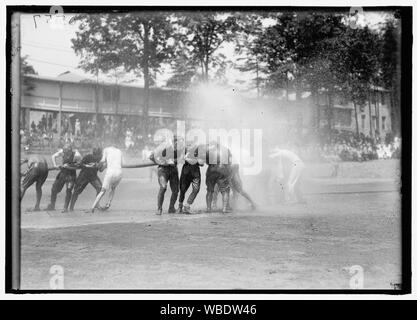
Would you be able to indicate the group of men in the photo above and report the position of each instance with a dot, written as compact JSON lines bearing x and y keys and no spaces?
{"x":89,"y":165}
{"x":222,"y":175}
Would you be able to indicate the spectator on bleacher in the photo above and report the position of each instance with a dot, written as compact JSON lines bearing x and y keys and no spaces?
{"x":77,"y":127}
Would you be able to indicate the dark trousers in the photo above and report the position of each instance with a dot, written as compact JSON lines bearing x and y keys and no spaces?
{"x":37,"y":173}
{"x":65,"y":177}
{"x":220,"y":175}
{"x":168,"y":174}
{"x":190,"y":175}
{"x":84,"y":178}
{"x":236,"y":186}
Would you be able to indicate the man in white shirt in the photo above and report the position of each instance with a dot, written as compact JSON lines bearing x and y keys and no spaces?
{"x":112,"y":158}
{"x":289,"y":161}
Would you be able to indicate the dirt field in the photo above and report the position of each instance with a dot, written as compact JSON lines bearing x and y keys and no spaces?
{"x":346,"y":222}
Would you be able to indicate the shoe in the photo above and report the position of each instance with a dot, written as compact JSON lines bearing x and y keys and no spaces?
{"x":208,"y":210}
{"x":50,"y":207}
{"x":253,"y":207}
{"x":187,"y":210}
{"x":172,"y":210}
{"x":159,"y":212}
{"x":226,"y":210}
{"x":64,"y":211}
{"x":36,"y":209}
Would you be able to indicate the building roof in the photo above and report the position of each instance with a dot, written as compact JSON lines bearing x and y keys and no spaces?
{"x":70,"y":77}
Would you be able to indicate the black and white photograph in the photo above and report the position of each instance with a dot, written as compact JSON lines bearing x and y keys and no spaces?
{"x":209,"y":148}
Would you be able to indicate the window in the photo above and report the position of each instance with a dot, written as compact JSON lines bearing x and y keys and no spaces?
{"x":383,"y":123}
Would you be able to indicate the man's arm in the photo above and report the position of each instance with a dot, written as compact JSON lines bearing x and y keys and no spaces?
{"x":56,"y":155}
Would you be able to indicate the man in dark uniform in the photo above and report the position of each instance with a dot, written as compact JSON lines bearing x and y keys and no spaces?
{"x":88,"y":174}
{"x":66,"y":176}
{"x":166,"y":156}
{"x":218,"y":172}
{"x":236,"y":185}
{"x":37,"y":172}
{"x":190,"y":174}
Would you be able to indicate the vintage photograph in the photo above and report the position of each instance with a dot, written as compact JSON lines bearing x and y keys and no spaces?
{"x":207,"y":149}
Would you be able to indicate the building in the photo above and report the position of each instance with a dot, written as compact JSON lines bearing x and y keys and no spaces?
{"x":69,"y":96}
{"x":373,"y":118}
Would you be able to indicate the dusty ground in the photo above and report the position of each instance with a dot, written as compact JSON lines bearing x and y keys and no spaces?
{"x":347,"y":221}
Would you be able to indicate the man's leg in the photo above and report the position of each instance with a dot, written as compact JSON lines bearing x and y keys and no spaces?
{"x":211,"y":178}
{"x":98,"y":198}
{"x":293,"y":178}
{"x":224,"y":188}
{"x":184,"y":185}
{"x":79,"y":187}
{"x":297,"y":188}
{"x":96,"y":183}
{"x":104,"y":188}
{"x":114,"y":184}
{"x":68,"y":192}
{"x":237,"y":186}
{"x":215,"y":196}
{"x":39,"y":183}
{"x":56,"y":188}
{"x":174,"y":185}
{"x":28,"y":180}
{"x":195,"y":184}
{"x":163,"y":183}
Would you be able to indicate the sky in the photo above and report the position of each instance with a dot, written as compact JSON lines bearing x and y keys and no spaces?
{"x":47,"y":44}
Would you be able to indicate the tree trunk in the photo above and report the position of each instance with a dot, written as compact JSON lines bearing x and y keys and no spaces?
{"x":329,"y":111}
{"x":257,"y":79}
{"x":371,"y":131}
{"x":146,"y":77}
{"x":206,"y":69}
{"x":377,"y":129}
{"x":356,"y":118}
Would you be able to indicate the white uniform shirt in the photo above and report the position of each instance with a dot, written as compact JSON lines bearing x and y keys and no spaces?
{"x":113,"y":157}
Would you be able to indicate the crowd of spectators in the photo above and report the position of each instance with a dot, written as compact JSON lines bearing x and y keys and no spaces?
{"x":347,"y":146}
{"x":86,"y":133}
{"x":127,"y":133}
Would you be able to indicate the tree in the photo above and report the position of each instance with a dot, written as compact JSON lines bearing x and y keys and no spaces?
{"x":295,"y":45}
{"x":390,"y":69}
{"x":249,"y":60}
{"x":357,"y":67}
{"x":183,"y":72}
{"x":26,"y":69}
{"x":137,"y":41}
{"x":202,"y":34}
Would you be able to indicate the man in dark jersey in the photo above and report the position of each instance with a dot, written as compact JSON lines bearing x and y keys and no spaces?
{"x":190,"y":175}
{"x":66,"y":176}
{"x":37,"y":172}
{"x":166,"y":156}
{"x":88,"y":174}
{"x":237,"y":188}
{"x":218,"y":172}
